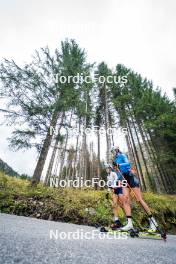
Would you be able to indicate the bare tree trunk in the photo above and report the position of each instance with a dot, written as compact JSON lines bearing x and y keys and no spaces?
{"x":154,"y":170}
{"x":135,"y":159}
{"x":163,"y":175}
{"x":50,"y":167}
{"x":69,"y":162}
{"x":64,"y":150}
{"x":147,"y":178}
{"x":130,"y":150}
{"x":91,"y":161}
{"x":106,"y":127}
{"x":84,"y":150}
{"x":43,"y":154}
{"x":98,"y":145}
{"x":85,"y":142}
{"x":143,"y":185}
{"x":76,"y":155}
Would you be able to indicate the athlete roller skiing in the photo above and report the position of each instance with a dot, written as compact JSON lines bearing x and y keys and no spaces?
{"x":122,"y":168}
{"x":114,"y":180}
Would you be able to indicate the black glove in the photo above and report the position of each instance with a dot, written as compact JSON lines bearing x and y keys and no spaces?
{"x":107,"y":196}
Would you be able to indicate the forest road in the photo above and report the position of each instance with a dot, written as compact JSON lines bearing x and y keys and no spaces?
{"x":29,"y":240}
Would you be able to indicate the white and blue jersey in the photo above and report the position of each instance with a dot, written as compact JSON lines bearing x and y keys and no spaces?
{"x":113,"y":178}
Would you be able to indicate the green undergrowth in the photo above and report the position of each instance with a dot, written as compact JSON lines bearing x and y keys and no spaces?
{"x":88,"y":207}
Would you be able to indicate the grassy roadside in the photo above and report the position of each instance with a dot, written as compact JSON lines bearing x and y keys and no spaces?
{"x":77,"y":206}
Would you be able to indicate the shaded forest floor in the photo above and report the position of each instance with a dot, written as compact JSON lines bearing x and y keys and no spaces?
{"x":88,"y":207}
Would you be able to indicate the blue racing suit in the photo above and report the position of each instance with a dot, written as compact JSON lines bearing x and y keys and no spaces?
{"x":125,"y":168}
{"x":122,"y":160}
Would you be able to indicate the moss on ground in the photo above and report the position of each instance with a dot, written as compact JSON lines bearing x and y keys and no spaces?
{"x":88,"y":207}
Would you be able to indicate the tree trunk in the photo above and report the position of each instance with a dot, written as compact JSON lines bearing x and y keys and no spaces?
{"x":43,"y":154}
{"x":106,"y":127}
{"x":147,"y":178}
{"x":98,"y":146}
{"x":76,"y":155}
{"x":143,"y":185}
{"x":154,"y":170}
{"x":163,"y":175}
{"x":64,"y":150}
{"x":50,"y":167}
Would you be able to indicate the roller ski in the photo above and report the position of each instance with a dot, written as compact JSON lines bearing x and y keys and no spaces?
{"x":133,"y":233}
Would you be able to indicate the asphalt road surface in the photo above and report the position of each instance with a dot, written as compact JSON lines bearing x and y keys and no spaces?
{"x":28,"y":240}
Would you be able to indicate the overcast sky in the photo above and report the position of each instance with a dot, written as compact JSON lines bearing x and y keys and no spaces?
{"x":140,"y":34}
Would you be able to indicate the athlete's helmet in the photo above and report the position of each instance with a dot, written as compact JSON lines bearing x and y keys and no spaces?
{"x":107,"y":166}
{"x":114,"y":148}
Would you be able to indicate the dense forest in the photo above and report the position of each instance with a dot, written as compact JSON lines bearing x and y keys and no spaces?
{"x":36,"y":103}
